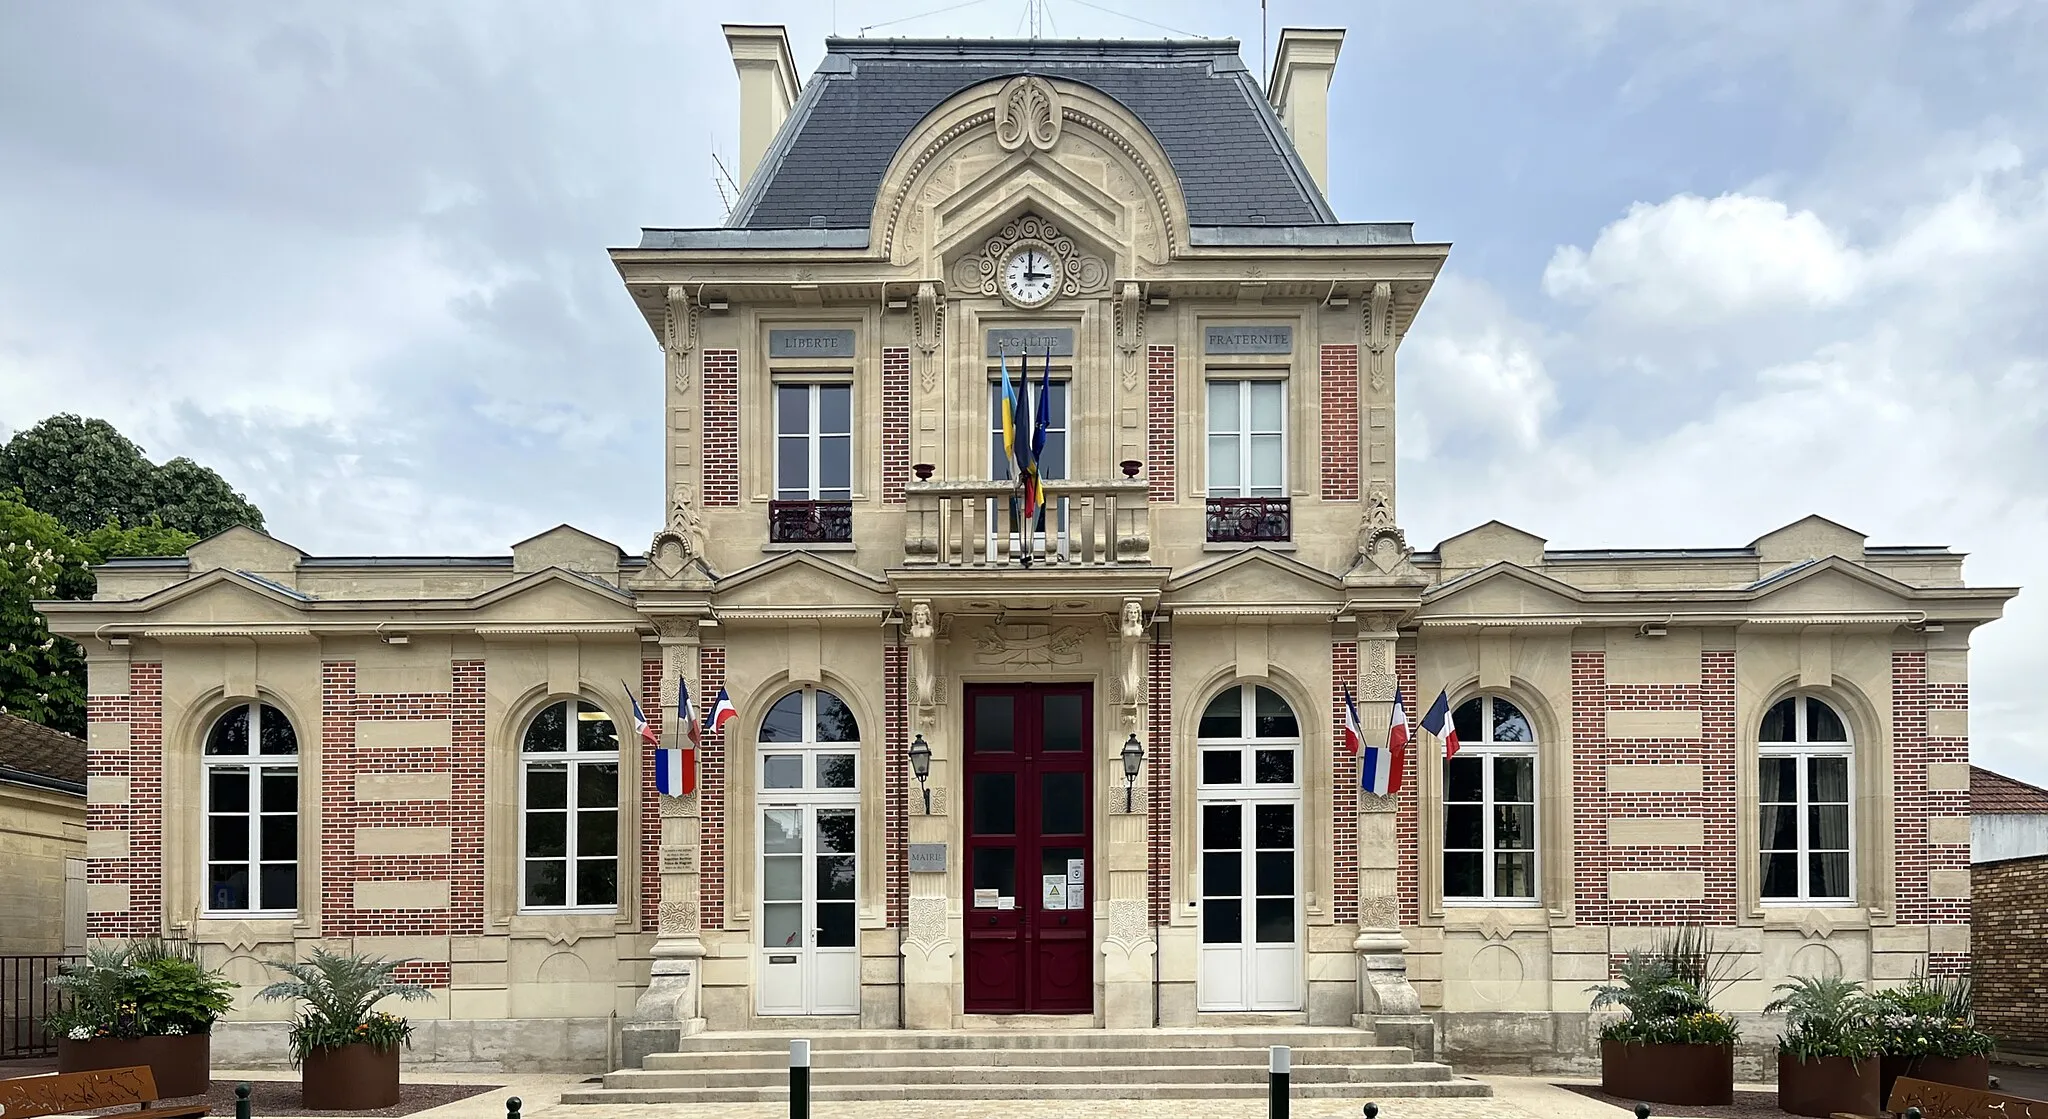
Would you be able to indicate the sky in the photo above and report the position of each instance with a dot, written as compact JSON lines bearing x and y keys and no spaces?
{"x":1715,"y":266}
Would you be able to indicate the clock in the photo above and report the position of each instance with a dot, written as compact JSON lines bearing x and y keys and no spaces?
{"x":1030,"y":276}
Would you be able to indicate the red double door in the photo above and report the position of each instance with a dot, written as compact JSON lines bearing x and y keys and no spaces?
{"x":1030,"y":876}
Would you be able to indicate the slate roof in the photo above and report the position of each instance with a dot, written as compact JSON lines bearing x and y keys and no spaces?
{"x":36,"y":749}
{"x":1994,"y":793}
{"x":1235,"y":163}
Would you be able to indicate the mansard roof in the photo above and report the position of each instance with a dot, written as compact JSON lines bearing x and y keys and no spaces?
{"x":1235,"y":163}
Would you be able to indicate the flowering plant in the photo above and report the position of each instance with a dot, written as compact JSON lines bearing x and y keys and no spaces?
{"x":340,"y":993}
{"x":145,"y":989}
{"x":1826,"y":1017}
{"x":1930,"y":1017}
{"x":1669,"y":993}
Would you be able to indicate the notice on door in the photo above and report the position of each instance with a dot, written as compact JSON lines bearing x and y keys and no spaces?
{"x":1055,"y":897}
{"x":1077,"y":875}
{"x":988,"y":899}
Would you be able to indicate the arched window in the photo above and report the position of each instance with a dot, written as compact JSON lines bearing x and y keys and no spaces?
{"x":1248,"y":736}
{"x":1803,"y":754}
{"x":810,"y":741}
{"x":251,"y":762}
{"x":569,"y":808}
{"x":1490,"y":805}
{"x":808,"y":796}
{"x":1248,"y":804}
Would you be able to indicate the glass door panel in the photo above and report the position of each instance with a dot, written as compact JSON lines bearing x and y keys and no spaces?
{"x":810,"y":928}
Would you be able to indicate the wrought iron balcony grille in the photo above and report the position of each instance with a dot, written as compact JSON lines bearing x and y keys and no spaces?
{"x":1250,"y":520}
{"x":810,"y":522}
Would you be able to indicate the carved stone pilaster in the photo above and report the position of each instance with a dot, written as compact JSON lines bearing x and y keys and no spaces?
{"x":672,"y":1004}
{"x":1388,"y":1003}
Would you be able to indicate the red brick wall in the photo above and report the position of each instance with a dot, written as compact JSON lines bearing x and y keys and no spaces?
{"x":721,"y":463}
{"x":1344,"y":787}
{"x":896,"y":790}
{"x":711,"y":798}
{"x":1340,"y":423}
{"x":650,"y":804}
{"x":895,"y":422}
{"x":1594,"y":804}
{"x":1407,"y":825}
{"x":1161,"y":414}
{"x":2009,"y":940}
{"x":1159,"y":779}
{"x":343,"y":708}
{"x":1914,"y":802}
{"x":143,"y":765}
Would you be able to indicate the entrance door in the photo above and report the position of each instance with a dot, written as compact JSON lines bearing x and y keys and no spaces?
{"x":1248,"y":798}
{"x":1030,"y":880}
{"x":810,"y":947}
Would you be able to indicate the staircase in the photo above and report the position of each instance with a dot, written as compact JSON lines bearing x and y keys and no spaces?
{"x":1063,"y":1064}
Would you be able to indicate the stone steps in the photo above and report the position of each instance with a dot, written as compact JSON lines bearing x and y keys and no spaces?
{"x":822,"y":1058}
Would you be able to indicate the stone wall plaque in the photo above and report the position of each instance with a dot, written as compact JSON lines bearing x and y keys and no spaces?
{"x":928,"y":858}
{"x":1031,"y":341}
{"x":810,"y":343}
{"x":1277,"y":339}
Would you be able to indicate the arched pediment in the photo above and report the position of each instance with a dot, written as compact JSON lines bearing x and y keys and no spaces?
{"x":1088,"y":159}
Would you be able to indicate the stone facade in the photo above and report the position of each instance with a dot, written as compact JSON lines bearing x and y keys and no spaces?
{"x":1644,"y":677}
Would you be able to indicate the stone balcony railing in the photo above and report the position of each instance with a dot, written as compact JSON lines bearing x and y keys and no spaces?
{"x":971,"y":524}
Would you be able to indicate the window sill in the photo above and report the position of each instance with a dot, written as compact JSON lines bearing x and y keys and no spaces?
{"x":1796,"y":903}
{"x":844,"y":546}
{"x":571,"y":911}
{"x":280,"y":915}
{"x":1489,"y":903}
{"x":1271,"y":546}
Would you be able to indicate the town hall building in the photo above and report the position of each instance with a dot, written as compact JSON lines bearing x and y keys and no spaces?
{"x":1085,"y":768}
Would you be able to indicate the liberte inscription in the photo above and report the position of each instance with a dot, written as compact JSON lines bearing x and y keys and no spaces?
{"x":810,"y":343}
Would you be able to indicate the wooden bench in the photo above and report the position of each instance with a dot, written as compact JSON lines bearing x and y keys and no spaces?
{"x":1947,"y":1101}
{"x":64,"y":1093}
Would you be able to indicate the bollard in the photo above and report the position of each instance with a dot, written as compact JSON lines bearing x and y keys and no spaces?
{"x":1278,"y":1062}
{"x":1372,"y":1111}
{"x":512,"y":1107}
{"x":799,"y":1080}
{"x":1642,"y":1111}
{"x":242,"y":1100}
{"x":1912,"y":1113}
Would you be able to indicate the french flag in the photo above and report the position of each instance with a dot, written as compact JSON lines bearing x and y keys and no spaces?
{"x":647,"y":734}
{"x":722,"y":712}
{"x":1438,"y":722}
{"x":675,"y":770}
{"x":1379,"y":771}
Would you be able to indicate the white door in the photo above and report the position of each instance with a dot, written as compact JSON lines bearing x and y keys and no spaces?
{"x":1251,"y":912}
{"x":810,"y":935}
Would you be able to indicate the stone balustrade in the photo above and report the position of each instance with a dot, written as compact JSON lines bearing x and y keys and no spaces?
{"x":972,"y":524}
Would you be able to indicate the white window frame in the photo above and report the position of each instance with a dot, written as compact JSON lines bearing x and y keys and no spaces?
{"x":814,"y":438}
{"x":254,"y":764}
{"x":1489,"y":751}
{"x":1064,"y":428}
{"x":1248,"y":743}
{"x":1243,"y":437}
{"x":1803,"y":750}
{"x":575,"y":760}
{"x":809,"y":749}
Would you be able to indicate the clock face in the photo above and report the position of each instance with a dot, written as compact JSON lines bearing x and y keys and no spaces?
{"x":1028,"y":276}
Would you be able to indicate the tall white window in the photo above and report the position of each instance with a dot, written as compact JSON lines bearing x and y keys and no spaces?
{"x":1803,"y":753}
{"x":1052,"y":462}
{"x":813,"y":442}
{"x":569,"y":809}
{"x":251,"y":763}
{"x":1490,"y":806}
{"x":808,"y":790}
{"x":1247,"y":438}
{"x":1248,"y":803}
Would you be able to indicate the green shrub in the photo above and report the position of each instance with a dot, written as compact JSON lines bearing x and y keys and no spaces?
{"x":144,"y":989}
{"x":1826,"y":1017}
{"x":340,"y":993}
{"x":1669,"y":992}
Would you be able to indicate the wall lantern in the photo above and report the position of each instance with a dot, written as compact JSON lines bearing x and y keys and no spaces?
{"x":1134,"y":757}
{"x":921,"y":768}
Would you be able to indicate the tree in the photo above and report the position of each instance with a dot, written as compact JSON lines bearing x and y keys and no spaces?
{"x":87,"y":474}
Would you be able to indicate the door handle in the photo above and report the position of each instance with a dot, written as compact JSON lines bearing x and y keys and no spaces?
{"x":991,"y":919}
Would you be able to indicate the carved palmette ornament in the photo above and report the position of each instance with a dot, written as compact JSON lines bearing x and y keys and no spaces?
{"x":1030,"y":114}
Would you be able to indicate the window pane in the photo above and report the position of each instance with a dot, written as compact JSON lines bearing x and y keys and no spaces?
{"x":546,"y":882}
{"x":547,"y":834}
{"x":597,"y":834}
{"x":1222,"y":767}
{"x":1822,"y":724}
{"x":836,"y":832}
{"x":1055,"y":860}
{"x":1830,"y":780}
{"x":1223,"y":406}
{"x":1062,"y":809}
{"x":276,"y":733}
{"x":1514,"y":779}
{"x":1266,"y":465}
{"x":1465,"y":778}
{"x":1462,"y":826}
{"x":1225,"y":471}
{"x":782,"y":771}
{"x":228,"y":790}
{"x":1266,"y":405}
{"x":280,"y":886}
{"x":1222,"y":921}
{"x":1777,"y":828}
{"x":835,"y":878}
{"x":1221,"y":719}
{"x":994,"y":724}
{"x":547,"y":786}
{"x":1276,"y":920}
{"x":792,"y":468}
{"x":594,"y":730}
{"x":836,"y":771}
{"x":1052,"y":465}
{"x":1222,"y":827}
{"x":792,"y":409}
{"x":835,"y":409}
{"x":1271,"y":717}
{"x":597,"y":786}
{"x":1469,"y":720}
{"x":836,"y":925}
{"x":280,"y":839}
{"x":228,"y":838}
{"x":230,"y":733}
{"x":1509,"y":725}
{"x":1222,"y":874}
{"x":835,"y":720}
{"x":1514,"y":874}
{"x":1061,"y":731}
{"x":995,"y":804}
{"x":995,"y":868}
{"x":1829,"y":872}
{"x":1275,"y":826}
{"x":227,"y":886}
{"x":549,"y":730}
{"x":280,"y":790}
{"x":835,"y":467}
{"x":1462,"y":874}
{"x":1273,"y":767}
{"x":597,"y":881}
{"x":1828,"y":827}
{"x":1781,"y":875}
{"x":782,"y":925}
{"x":782,"y":831}
{"x":1777,"y":779}
{"x":784,"y":721}
{"x":782,"y":878}
{"x":1514,"y":826}
{"x":1276,"y":872}
{"x":1778,"y":722}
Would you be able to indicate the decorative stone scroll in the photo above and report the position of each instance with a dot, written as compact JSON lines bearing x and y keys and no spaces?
{"x":679,"y":333}
{"x":1030,"y":114}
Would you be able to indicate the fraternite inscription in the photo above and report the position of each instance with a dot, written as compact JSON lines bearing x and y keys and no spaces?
{"x":1277,"y":339}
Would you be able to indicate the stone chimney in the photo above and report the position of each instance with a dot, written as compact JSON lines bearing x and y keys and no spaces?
{"x":1300,"y":92}
{"x":768,"y":87}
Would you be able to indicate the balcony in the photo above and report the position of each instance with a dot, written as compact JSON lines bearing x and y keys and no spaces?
{"x":810,"y":522}
{"x":1250,"y":520}
{"x":969,"y":524}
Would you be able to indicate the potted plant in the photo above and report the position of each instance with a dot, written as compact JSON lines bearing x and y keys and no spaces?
{"x":145,"y":1003}
{"x":1673,"y":1047}
{"x":1928,"y":1033}
{"x":346,"y":1049}
{"x":1828,"y":1057}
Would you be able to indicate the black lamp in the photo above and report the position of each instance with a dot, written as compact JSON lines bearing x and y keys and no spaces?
{"x":921,"y":768}
{"x":1134,"y":756}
